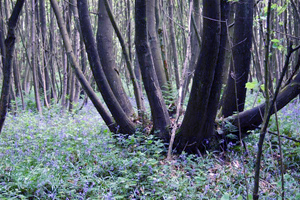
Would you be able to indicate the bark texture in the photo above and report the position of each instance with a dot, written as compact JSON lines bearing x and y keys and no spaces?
{"x":191,"y":133}
{"x":173,"y":43}
{"x":8,"y":59}
{"x":160,"y":116}
{"x":125,"y":124}
{"x":238,"y":74}
{"x":105,"y":50}
{"x":215,"y":93}
{"x":80,"y":76}
{"x":154,"y":45}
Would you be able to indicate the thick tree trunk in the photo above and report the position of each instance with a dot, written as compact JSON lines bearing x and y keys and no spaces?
{"x":251,"y":119}
{"x":105,"y":50}
{"x":85,"y":84}
{"x":2,"y":39}
{"x":160,"y":116}
{"x":127,"y":56}
{"x":235,"y":93}
{"x":8,"y":57}
{"x":126,"y":125}
{"x":191,"y":133}
{"x":215,"y":93}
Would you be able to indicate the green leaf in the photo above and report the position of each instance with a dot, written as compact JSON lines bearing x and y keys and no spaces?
{"x":281,"y":9}
{"x":251,"y":85}
{"x":262,"y":87}
{"x":280,"y":47}
{"x":226,"y":196}
{"x":275,"y":45}
{"x":275,"y":40}
{"x":240,"y":198}
{"x":232,"y":136}
{"x":273,"y":6}
{"x":119,"y":197}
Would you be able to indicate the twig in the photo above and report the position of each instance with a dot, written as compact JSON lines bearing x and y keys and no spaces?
{"x":284,"y":136}
{"x":281,"y":154}
{"x":231,"y":46}
{"x":196,"y":31}
{"x":289,"y":35}
{"x":267,"y":108}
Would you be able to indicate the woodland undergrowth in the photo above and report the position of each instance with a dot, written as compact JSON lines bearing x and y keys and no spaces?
{"x":73,"y":156}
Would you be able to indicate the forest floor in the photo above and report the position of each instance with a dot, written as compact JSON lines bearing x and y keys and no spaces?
{"x":73,"y":156}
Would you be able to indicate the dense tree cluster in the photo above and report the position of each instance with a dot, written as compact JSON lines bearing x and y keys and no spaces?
{"x":173,"y":51}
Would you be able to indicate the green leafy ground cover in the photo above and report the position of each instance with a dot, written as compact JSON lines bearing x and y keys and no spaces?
{"x":73,"y":156}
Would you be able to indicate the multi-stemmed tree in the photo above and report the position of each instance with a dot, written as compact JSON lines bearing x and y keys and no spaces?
{"x":198,"y":126}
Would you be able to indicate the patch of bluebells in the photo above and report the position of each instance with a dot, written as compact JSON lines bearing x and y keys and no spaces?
{"x":38,"y":148}
{"x":66,"y":156}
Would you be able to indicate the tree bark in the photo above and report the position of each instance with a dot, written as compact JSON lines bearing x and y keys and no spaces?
{"x":33,"y":59}
{"x":160,"y":116}
{"x":191,"y":135}
{"x":126,"y":125}
{"x":195,"y":48}
{"x":105,"y":50}
{"x":51,"y":61}
{"x":85,"y":84}
{"x":127,"y":56}
{"x":238,"y":75}
{"x":9,"y":52}
{"x":44,"y":67}
{"x":215,"y":93}
{"x":154,"y":45}
{"x":173,"y":43}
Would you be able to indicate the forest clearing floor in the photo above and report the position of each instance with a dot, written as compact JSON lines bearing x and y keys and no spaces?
{"x":73,"y":156}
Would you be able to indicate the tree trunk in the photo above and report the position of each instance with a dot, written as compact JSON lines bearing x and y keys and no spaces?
{"x":51,"y":61}
{"x":126,"y":125}
{"x":195,"y":48}
{"x":43,"y":26}
{"x":173,"y":43}
{"x":235,"y":93}
{"x":105,"y":50}
{"x":85,"y":84}
{"x":64,"y":81}
{"x":33,"y":59}
{"x":191,"y":135}
{"x":251,"y":119}
{"x":215,"y":93}
{"x":154,"y":44}
{"x":160,"y":116}
{"x":8,"y":58}
{"x":136,"y":88}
